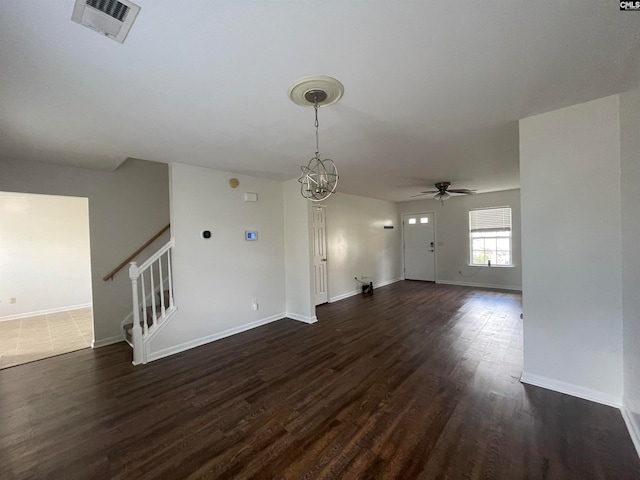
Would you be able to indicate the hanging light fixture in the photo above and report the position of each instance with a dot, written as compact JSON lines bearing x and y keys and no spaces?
{"x":442,"y":196}
{"x":319,"y":177}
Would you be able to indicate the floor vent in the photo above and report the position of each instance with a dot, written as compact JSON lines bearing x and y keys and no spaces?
{"x":111,"y":18}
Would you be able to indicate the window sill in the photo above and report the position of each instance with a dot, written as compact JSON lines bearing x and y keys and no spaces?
{"x":491,"y":266}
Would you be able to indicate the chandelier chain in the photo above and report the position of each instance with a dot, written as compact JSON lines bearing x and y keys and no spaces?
{"x":315,"y":107}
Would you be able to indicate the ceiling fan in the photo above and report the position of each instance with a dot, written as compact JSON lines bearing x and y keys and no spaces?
{"x":443,"y":191}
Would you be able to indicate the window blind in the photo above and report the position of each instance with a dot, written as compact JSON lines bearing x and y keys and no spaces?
{"x":490,"y":220}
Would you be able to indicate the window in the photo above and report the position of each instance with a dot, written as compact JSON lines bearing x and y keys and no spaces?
{"x":424,"y":219}
{"x":490,"y":236}
{"x":412,"y":221}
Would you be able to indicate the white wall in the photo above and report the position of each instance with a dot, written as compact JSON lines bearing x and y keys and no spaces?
{"x":357,"y":243}
{"x":452,"y":239}
{"x":126,"y":208}
{"x":45,"y":262}
{"x":298,"y":260}
{"x":571,"y":224}
{"x":216,"y":280}
{"x":630,"y":159}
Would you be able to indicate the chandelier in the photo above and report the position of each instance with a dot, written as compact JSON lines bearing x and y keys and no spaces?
{"x":319,"y":178}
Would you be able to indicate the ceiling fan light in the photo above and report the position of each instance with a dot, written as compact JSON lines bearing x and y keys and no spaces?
{"x":442,"y":196}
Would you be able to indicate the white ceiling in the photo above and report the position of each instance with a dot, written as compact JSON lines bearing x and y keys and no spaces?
{"x":433,"y":89}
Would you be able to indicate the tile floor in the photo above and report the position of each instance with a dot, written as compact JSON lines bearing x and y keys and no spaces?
{"x":33,"y":338}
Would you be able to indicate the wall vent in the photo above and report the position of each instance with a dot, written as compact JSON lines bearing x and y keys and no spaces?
{"x":111,"y":18}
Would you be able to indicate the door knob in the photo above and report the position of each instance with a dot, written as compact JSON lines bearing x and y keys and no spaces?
{"x":324,"y":259}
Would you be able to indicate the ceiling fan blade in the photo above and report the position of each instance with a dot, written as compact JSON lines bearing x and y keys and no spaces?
{"x":420,"y":194}
{"x":430,"y":191}
{"x":464,"y":191}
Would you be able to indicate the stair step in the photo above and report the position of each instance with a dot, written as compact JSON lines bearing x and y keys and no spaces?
{"x":150,"y":313}
{"x":129,"y":326}
{"x":128,"y":335}
{"x":166,"y":298}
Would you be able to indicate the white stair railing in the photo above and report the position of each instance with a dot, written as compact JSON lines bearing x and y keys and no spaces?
{"x":151,"y":273}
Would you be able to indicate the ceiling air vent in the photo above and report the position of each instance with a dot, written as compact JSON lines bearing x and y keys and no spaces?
{"x":111,"y":18}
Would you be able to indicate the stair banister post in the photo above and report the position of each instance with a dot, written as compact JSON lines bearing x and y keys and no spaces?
{"x":136,"y":331}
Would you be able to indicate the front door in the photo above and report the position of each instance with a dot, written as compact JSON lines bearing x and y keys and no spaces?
{"x":419,"y":246}
{"x":319,"y":256}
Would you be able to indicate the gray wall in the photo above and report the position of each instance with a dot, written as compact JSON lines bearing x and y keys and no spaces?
{"x":572,"y":256}
{"x":630,"y":159}
{"x":126,"y":208}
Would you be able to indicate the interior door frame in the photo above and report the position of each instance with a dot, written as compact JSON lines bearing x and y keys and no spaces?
{"x":435,"y":241}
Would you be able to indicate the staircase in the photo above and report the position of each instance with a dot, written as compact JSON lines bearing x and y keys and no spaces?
{"x":128,"y":327}
{"x":153,"y":302}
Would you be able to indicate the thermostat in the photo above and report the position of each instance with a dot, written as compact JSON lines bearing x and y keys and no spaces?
{"x":251,"y":235}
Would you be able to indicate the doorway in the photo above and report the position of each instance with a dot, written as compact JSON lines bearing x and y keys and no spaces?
{"x":45,"y":279}
{"x":319,"y":231}
{"x":418,"y":235}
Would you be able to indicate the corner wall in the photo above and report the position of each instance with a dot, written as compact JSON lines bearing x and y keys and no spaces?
{"x":630,"y":190}
{"x":298,"y":260}
{"x":571,"y":230}
{"x":126,"y":208}
{"x":452,"y":239}
{"x":357,"y":243}
{"x":216,"y":280}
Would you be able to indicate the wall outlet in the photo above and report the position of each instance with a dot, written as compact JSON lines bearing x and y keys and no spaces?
{"x":254,"y":304}
{"x":12,"y":300}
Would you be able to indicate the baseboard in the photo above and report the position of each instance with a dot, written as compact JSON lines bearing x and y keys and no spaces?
{"x":358,"y":291}
{"x":211,"y":338}
{"x":107,"y":341}
{"x":388,"y":282}
{"x":301,"y":318}
{"x":481,"y":285}
{"x":591,"y":395}
{"x":632,"y":426}
{"x":571,"y":389}
{"x":45,"y":312}
{"x":344,"y":295}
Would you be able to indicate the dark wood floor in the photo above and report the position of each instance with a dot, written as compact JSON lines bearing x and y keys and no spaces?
{"x":417,"y":381}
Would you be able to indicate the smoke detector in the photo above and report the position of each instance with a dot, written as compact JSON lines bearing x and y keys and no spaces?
{"x":111,"y":18}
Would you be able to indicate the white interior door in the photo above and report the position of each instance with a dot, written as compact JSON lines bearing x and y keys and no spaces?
{"x":419,"y":247}
{"x":319,"y":256}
